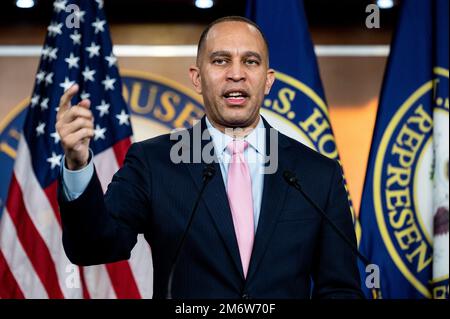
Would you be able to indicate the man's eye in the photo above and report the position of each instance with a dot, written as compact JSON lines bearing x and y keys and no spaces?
{"x":219,"y":61}
{"x":252,"y":62}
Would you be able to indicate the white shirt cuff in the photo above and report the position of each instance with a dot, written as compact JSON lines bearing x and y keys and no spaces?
{"x":75,"y":182}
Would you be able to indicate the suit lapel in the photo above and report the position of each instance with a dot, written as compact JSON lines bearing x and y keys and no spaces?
{"x":216,"y":200}
{"x":274,"y":193}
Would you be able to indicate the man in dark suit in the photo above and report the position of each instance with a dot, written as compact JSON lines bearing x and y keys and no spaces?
{"x":252,"y":236}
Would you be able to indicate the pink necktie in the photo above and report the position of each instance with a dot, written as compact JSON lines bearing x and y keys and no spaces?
{"x":239,"y":189}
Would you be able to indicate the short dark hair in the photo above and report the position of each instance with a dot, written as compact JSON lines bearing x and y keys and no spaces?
{"x":201,"y":41}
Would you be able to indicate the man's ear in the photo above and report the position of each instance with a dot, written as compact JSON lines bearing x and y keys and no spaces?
{"x":194,"y":73}
{"x":269,"y":80}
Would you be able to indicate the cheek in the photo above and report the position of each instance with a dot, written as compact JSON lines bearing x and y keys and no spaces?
{"x":260,"y":83}
{"x":262,"y":89}
{"x":211,"y":78}
{"x":210,"y":87}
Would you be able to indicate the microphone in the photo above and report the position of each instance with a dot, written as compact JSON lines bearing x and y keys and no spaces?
{"x":208,"y":173}
{"x":292,"y":180}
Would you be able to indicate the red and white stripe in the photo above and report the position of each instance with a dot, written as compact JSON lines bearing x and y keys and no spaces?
{"x":33,"y":263}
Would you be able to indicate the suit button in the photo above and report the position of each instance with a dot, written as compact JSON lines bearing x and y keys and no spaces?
{"x":245,"y":296}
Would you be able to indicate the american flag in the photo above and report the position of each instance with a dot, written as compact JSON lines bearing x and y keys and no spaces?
{"x":33,"y":264}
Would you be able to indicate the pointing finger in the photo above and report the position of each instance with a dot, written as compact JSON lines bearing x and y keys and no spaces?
{"x":64,"y":102}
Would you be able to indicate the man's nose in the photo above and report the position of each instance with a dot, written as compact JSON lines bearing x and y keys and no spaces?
{"x":236,"y":72}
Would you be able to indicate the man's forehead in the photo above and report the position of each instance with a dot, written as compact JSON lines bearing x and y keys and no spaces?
{"x":236,"y":30}
{"x":233,"y":25}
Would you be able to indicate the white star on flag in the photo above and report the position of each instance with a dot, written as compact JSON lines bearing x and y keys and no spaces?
{"x":56,"y":136}
{"x":40,"y":128}
{"x":44,"y":104}
{"x":88,"y":74}
{"x":72,"y":61}
{"x":103,"y":108}
{"x":76,"y":37}
{"x":100,"y":3}
{"x":48,"y":78}
{"x":123,"y":118}
{"x":79,"y":15}
{"x":34,"y":100}
{"x":66,"y":84}
{"x":93,"y":50}
{"x":111,"y":59}
{"x":84,"y":95}
{"x":52,"y":54}
{"x":99,"y":25}
{"x":45,"y":51}
{"x":54,"y":160}
{"x":99,"y":132}
{"x":40,"y":76}
{"x":59,"y":6}
{"x":108,"y":83}
{"x":54,"y":29}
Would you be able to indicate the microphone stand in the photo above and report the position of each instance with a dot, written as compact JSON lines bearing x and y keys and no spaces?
{"x":292,"y":180}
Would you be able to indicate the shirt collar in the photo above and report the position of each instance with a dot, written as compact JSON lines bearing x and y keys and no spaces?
{"x":256,"y":138}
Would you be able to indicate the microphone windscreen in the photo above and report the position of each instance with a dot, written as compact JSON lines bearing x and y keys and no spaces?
{"x":289,"y":177}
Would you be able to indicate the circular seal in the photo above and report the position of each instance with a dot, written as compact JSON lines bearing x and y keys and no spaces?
{"x":404,"y":180}
{"x":157,"y":104}
{"x":299,"y":112}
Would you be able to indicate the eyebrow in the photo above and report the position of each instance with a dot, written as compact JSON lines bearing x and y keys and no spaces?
{"x":228,"y":54}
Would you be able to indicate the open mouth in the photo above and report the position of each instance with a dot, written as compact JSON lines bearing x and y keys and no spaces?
{"x":235,"y":97}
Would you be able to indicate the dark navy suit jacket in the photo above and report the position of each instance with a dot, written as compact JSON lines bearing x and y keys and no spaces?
{"x":152,"y":195}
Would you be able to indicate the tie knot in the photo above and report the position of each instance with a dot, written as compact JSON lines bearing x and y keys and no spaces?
{"x":237,"y":146}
